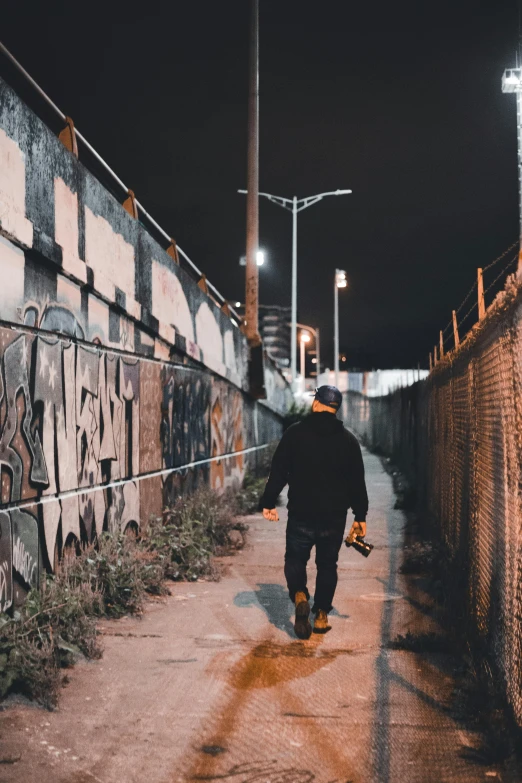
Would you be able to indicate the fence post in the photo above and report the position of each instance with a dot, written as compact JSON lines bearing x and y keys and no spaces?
{"x":456,"y":330}
{"x":481,"y":302}
{"x":435,"y":357}
{"x":431,"y":362}
{"x":441,"y":350}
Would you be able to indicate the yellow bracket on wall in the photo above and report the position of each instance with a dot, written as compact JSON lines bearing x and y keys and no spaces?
{"x":172,"y":251}
{"x":202,"y":283}
{"x":130,"y":206}
{"x":68,"y":137}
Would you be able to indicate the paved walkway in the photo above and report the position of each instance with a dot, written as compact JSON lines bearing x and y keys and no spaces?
{"x":211,"y":684}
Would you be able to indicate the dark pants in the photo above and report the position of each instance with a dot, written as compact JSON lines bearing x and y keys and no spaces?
{"x":327,"y":537}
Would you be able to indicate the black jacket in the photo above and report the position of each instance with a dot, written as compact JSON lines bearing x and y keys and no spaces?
{"x":322,"y":464}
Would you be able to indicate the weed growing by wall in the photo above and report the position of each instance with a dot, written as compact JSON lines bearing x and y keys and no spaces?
{"x":110,"y":578}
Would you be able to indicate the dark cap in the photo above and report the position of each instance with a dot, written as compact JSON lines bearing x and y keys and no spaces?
{"x":329,"y":395}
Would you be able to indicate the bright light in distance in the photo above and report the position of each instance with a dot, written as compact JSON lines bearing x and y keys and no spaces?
{"x":260,"y":258}
{"x":512,"y":80}
{"x":238,"y":304}
{"x":314,"y":360}
{"x":340,"y":278}
{"x":305,"y":337}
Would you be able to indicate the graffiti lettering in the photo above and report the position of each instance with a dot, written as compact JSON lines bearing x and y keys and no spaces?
{"x":23,"y":561}
{"x":5,"y":593}
{"x":227,"y":437}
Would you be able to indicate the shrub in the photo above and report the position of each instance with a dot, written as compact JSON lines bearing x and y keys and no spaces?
{"x":421,"y":643}
{"x":294,"y":414}
{"x":248,"y":497}
{"x":419,"y":558}
{"x":55,"y":626}
{"x":112,"y":567}
{"x":190,"y":532}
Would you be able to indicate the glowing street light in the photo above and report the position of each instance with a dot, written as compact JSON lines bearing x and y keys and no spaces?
{"x":315,"y":332}
{"x":512,"y":83}
{"x":295,"y":205}
{"x":304,"y":338}
{"x":260,"y":258}
{"x":340,"y":282}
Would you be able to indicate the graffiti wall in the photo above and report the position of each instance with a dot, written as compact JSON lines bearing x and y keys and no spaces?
{"x":122,"y":383}
{"x":93,"y":440}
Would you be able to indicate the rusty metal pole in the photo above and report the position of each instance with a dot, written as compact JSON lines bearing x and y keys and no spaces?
{"x":252,"y":239}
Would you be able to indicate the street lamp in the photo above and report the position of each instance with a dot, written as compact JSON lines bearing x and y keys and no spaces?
{"x":340,"y":282}
{"x":295,"y":205}
{"x":304,"y":338}
{"x":260,"y":259}
{"x":512,"y":82}
{"x":315,"y":333}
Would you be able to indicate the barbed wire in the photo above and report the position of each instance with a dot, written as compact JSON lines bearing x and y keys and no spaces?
{"x":500,"y":257}
{"x":502,"y":271}
{"x":457,"y":311}
{"x":462,"y":319}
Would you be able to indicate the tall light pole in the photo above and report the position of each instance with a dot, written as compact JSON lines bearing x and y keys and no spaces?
{"x":340,"y":282}
{"x":252,"y":238}
{"x":295,"y":205}
{"x":512,"y":82}
{"x":315,"y":333}
{"x":304,"y":339}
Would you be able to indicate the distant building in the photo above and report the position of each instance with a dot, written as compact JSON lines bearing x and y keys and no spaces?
{"x":274,"y":328}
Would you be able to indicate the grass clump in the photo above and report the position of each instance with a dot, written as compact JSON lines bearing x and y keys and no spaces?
{"x":248,"y":497}
{"x":478,"y":700}
{"x":54,"y":628}
{"x":295,"y":414}
{"x":421,"y":643}
{"x":420,"y":558}
{"x":190,"y":532}
{"x":112,"y":566}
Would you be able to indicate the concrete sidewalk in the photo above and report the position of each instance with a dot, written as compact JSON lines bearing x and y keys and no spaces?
{"x":211,"y":684}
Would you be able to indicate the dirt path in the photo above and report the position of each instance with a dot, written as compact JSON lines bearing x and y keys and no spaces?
{"x":211,"y":684}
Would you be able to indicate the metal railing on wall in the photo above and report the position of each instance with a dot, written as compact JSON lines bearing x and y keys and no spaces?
{"x":70,"y":135}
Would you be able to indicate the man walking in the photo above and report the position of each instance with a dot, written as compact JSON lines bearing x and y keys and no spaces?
{"x":322,"y":464}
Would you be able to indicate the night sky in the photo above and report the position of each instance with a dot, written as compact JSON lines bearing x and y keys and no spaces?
{"x":401,"y":102}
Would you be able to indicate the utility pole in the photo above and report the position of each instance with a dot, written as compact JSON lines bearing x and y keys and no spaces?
{"x":252,"y":240}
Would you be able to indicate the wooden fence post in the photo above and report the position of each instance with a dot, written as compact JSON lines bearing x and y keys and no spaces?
{"x":481,"y":301}
{"x":456,"y":337}
{"x":441,"y":350}
{"x":431,"y":362}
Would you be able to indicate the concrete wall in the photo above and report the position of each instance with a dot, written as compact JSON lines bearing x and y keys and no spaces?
{"x":117,"y":373}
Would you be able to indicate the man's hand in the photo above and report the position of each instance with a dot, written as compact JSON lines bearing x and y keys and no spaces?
{"x":271,"y":514}
{"x":358,"y":529}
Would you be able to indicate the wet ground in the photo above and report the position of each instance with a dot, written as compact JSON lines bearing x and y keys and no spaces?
{"x":211,"y":684}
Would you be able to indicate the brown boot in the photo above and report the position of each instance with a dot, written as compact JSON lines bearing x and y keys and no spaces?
{"x":321,"y":622}
{"x":302,"y":627}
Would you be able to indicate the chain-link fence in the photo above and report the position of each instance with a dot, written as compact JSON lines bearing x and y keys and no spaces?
{"x":458,"y":436}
